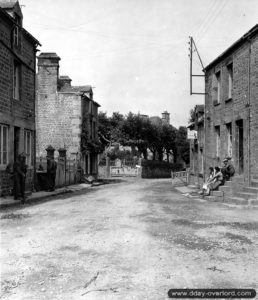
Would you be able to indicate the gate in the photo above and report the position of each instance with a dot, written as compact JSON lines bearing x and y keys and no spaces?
{"x":124,"y":168}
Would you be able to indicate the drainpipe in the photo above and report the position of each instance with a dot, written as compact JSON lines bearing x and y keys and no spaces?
{"x":249,"y":115}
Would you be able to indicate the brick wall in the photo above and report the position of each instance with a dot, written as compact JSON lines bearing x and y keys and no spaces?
{"x":231,"y":111}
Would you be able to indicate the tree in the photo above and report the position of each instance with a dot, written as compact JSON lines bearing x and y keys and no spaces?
{"x":169,"y":135}
{"x":183,"y":147}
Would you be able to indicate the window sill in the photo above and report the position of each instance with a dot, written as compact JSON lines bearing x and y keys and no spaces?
{"x":216,"y":103}
{"x":228,"y":100}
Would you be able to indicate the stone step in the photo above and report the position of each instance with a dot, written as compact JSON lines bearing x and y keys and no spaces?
{"x":235,"y":200}
{"x":238,"y":179}
{"x":225,"y":188}
{"x":251,"y":189}
{"x":217,"y":193}
{"x":210,"y":198}
{"x":254,"y":183}
{"x":253,"y":201}
{"x":245,"y":195}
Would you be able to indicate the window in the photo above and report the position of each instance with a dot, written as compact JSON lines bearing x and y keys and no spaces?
{"x":16,"y":81}
{"x":28,"y":146}
{"x":218,"y":78}
{"x":230,"y":80}
{"x":217,"y":138}
{"x":4,"y":138}
{"x":16,"y":36}
{"x":229,"y":139}
{"x":94,"y":129}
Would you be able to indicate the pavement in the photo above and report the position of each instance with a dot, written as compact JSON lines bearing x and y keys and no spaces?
{"x":37,"y":196}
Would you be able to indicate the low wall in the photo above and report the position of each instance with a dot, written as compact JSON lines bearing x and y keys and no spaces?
{"x":158,"y":169}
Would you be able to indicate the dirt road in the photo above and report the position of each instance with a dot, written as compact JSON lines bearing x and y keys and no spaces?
{"x":132,"y":240}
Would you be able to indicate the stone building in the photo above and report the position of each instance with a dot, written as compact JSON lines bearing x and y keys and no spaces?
{"x":231,"y":108}
{"x":196,"y":137}
{"x":17,"y":93}
{"x":66,"y":115}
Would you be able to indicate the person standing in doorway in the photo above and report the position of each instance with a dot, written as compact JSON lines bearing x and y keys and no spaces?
{"x":19,"y":177}
{"x":51,"y":172}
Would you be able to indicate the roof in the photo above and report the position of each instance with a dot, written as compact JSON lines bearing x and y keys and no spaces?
{"x":7,"y":3}
{"x":82,"y":88}
{"x":244,"y":38}
{"x":64,"y":77}
{"x":11,"y":19}
{"x":48,"y":55}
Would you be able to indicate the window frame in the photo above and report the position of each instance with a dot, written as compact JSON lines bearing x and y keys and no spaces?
{"x":28,"y":154}
{"x":229,"y":139}
{"x":218,"y":83}
{"x":217,"y":139}
{"x":230,"y":79}
{"x":2,"y":164}
{"x":16,"y":80}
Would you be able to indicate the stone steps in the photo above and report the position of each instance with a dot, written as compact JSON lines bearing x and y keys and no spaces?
{"x":246,"y":195}
{"x":254,"y":183}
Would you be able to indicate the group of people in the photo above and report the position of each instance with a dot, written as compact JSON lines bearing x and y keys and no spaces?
{"x":217,"y":176}
{"x":19,"y":170}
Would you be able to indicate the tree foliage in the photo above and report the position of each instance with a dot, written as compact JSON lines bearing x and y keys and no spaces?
{"x":141,"y":134}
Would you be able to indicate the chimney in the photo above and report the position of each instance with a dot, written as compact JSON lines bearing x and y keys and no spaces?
{"x":48,"y":72}
{"x":64,"y":83}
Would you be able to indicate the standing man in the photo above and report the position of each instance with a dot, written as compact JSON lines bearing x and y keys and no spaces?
{"x":19,"y":177}
{"x":51,"y":172}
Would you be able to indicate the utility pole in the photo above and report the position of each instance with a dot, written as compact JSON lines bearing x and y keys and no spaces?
{"x":192,"y":49}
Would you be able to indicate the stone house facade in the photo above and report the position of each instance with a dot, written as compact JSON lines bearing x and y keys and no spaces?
{"x":17,"y":94}
{"x":231,"y":107}
{"x":66,"y":115}
{"x":196,"y":137}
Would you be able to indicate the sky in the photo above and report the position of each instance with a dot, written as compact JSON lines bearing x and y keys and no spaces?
{"x":135,"y":52}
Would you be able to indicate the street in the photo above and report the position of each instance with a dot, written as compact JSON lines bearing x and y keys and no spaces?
{"x":130,"y":240}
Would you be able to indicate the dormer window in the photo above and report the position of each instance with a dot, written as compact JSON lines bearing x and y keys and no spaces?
{"x":16,"y":36}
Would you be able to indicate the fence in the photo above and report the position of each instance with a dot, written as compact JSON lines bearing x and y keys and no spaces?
{"x":68,"y":172}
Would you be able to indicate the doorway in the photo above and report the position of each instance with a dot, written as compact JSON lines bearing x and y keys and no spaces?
{"x":16,"y":142}
{"x":240,"y":145}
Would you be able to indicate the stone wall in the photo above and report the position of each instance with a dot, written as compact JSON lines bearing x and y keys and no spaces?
{"x":158,"y":169}
{"x":16,"y":113}
{"x":242,"y":107}
{"x":58,"y":113}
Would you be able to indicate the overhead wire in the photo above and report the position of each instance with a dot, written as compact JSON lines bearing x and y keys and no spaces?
{"x":212,"y":13}
{"x":214,"y":18}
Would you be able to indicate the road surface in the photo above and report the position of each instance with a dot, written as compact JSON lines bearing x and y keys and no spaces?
{"x":131,"y":240}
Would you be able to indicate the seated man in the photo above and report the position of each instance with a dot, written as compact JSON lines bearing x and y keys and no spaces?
{"x":227,"y":169}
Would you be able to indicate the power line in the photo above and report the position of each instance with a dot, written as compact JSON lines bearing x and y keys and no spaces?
{"x":211,"y":15}
{"x":214,"y":18}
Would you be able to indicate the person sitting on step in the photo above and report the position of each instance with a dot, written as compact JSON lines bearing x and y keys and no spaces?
{"x":217,"y":180}
{"x":209,"y":180}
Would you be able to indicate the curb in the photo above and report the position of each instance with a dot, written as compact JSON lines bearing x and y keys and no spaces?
{"x":35,"y":198}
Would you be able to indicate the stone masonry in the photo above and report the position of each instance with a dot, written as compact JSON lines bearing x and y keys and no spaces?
{"x":66,"y":115}
{"x":231,"y":107}
{"x":17,"y":92}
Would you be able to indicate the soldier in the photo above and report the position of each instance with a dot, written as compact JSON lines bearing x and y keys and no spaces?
{"x":51,"y":172}
{"x":19,"y":177}
{"x":227,"y":169}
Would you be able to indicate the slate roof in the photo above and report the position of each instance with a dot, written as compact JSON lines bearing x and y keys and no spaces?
{"x":238,"y":43}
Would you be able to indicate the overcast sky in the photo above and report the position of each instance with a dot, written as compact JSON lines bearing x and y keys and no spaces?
{"x":135,"y":52}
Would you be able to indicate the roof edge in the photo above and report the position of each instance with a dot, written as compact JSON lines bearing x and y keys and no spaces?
{"x":244,"y":38}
